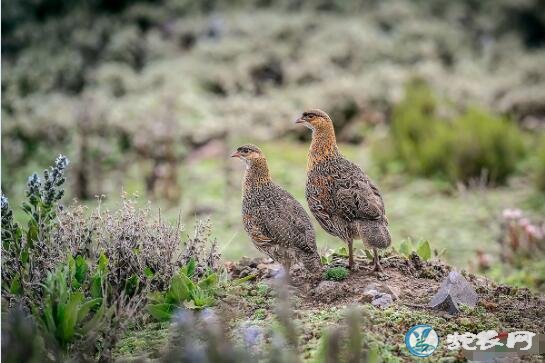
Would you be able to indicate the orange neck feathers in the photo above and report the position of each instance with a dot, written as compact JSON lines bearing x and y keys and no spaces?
{"x":323,"y":145}
{"x":257,"y":173}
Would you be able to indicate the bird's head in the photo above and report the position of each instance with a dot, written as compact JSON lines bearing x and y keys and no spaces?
{"x":315,"y":119}
{"x":248,"y":152}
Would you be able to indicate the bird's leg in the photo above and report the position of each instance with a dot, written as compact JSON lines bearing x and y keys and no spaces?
{"x":351,"y":265}
{"x":376,"y":261}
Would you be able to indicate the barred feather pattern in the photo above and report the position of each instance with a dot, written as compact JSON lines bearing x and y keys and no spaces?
{"x":275,"y":221}
{"x":342,"y":198}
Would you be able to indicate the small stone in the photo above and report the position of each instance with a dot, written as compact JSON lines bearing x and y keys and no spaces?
{"x":382,"y":301}
{"x":245,"y":272}
{"x":368,"y":296}
{"x":383,"y":288}
{"x":325,"y":286}
{"x":454,"y":290}
{"x":244,"y":261}
{"x":328,"y":291}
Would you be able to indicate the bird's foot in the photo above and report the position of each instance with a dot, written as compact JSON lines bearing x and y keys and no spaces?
{"x":354,"y":267}
{"x":378,"y":272}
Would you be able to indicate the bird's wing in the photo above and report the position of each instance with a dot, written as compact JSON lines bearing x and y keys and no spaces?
{"x":286,"y":222}
{"x":356,"y":196}
{"x":255,"y":229}
{"x":320,"y":198}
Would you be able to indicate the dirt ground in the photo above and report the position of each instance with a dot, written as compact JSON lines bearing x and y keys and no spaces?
{"x":412,"y":283}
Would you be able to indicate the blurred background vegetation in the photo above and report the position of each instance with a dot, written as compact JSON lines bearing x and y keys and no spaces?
{"x":441,"y":102}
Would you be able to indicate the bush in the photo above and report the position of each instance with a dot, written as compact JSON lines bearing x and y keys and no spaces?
{"x":472,"y":145}
{"x":84,"y":277}
{"x":184,"y":291}
{"x":522,"y":248}
{"x":336,"y":273}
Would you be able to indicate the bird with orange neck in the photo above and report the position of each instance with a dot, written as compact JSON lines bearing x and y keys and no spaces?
{"x":276,"y":223}
{"x":339,"y":194}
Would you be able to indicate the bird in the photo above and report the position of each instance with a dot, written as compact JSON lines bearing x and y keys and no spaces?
{"x":342,"y":198}
{"x":275,"y":221}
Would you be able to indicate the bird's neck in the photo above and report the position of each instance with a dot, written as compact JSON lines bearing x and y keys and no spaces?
{"x":257,"y":173}
{"x":323,"y":145}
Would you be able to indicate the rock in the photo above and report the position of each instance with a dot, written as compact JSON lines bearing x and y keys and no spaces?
{"x":328,"y":291}
{"x":379,"y":295}
{"x":454,"y":290}
{"x":368,"y":296}
{"x":382,"y":288}
{"x":245,"y":261}
{"x":275,"y":271}
{"x":382,"y":301}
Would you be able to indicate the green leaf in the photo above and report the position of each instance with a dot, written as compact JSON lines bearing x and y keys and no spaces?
{"x":179,"y":290}
{"x":25,"y":256}
{"x":424,"y":250}
{"x":209,"y":282}
{"x":342,"y":251}
{"x":101,"y":315}
{"x":86,"y":307}
{"x":244,"y":279}
{"x":161,"y":312}
{"x":149,"y":272}
{"x":189,"y":269}
{"x":156,"y":298}
{"x":81,"y":269}
{"x":131,"y":285}
{"x":16,"y":287}
{"x":103,"y":263}
{"x":96,"y":285}
{"x":32,"y":232}
{"x":201,"y":298}
{"x":188,"y":282}
{"x":405,"y":248}
{"x":47,"y":317}
{"x":323,"y":260}
{"x":27,"y":208}
{"x":67,"y":317}
{"x":368,"y":254}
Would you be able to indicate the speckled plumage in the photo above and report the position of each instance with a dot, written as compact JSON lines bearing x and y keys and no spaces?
{"x":340,"y":195}
{"x":276,"y":223}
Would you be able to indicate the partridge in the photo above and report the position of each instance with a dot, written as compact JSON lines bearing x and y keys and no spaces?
{"x":275,"y":221}
{"x":339,"y":194}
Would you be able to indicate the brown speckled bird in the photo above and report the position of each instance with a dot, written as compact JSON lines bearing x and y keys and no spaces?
{"x":276,"y":223}
{"x":339,"y":194}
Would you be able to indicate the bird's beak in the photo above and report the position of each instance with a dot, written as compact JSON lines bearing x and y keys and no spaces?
{"x":236,"y":154}
{"x":300,"y":121}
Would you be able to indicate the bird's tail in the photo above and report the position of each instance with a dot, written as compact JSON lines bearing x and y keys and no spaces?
{"x":375,"y":233}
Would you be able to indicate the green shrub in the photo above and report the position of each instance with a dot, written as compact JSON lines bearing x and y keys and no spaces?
{"x":65,"y":311}
{"x":338,"y":273}
{"x":421,"y":248}
{"x":85,"y":276}
{"x":23,"y":248}
{"x":472,"y":145}
{"x":185,"y":290}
